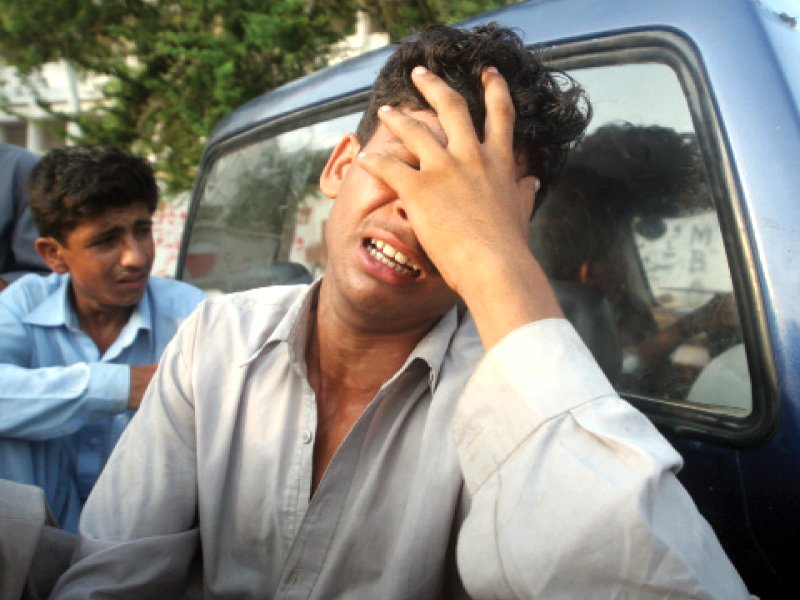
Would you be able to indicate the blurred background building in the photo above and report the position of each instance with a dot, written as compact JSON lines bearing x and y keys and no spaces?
{"x":25,"y":123}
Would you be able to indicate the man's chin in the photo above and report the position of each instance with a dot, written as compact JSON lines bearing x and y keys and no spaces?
{"x":130,"y":295}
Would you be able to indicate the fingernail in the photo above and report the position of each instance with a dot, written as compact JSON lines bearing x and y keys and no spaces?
{"x":419,"y":70}
{"x":362,"y":154}
{"x":492,"y":70}
{"x":385,"y":108}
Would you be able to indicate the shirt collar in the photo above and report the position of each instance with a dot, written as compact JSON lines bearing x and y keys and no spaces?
{"x":293,"y":329}
{"x":293,"y":326}
{"x":141,"y":319}
{"x":432,"y":348}
{"x":57,"y":310}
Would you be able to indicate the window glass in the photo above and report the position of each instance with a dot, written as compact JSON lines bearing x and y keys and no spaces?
{"x":261,"y":215}
{"x":633,"y":218}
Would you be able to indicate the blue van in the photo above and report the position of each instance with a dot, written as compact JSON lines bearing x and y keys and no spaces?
{"x":677,"y":218}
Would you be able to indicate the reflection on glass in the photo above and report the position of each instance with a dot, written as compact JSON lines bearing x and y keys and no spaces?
{"x":261,"y":215}
{"x":634,"y":217}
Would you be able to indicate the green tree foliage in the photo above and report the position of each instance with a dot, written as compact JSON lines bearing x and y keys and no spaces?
{"x":174,"y":68}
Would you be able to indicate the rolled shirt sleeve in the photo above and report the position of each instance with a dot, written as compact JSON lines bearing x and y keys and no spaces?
{"x":50,"y":402}
{"x":574,"y":493}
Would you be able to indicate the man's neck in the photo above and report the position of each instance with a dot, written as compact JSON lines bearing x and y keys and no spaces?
{"x":102,"y":324}
{"x":347,"y":364}
{"x":346,"y":368}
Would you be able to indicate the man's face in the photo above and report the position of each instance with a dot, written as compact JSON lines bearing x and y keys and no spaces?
{"x":109,"y":258}
{"x":376,"y":266}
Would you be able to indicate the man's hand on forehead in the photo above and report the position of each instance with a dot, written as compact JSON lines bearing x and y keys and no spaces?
{"x":465,"y":201}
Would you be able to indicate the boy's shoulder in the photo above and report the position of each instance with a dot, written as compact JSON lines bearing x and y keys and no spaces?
{"x":174,"y":287}
{"x":28,"y":292}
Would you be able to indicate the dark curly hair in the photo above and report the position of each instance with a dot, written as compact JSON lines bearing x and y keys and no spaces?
{"x":70,"y":184}
{"x":552,"y":110}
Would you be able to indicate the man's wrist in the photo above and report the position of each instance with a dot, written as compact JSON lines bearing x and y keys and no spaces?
{"x":506,"y":294}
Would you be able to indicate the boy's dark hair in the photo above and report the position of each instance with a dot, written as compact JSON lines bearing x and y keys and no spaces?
{"x":70,"y":184}
{"x":552,"y":110}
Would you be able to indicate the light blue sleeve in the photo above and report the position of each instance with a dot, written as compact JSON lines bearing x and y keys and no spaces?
{"x":49,"y":402}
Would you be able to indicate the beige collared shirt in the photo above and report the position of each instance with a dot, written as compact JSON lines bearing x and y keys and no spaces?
{"x":536,"y":480}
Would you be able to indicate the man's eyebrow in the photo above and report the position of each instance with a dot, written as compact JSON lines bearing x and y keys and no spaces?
{"x":111,"y":231}
{"x":118,"y":229}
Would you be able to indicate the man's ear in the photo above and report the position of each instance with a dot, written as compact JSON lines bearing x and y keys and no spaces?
{"x":50,"y":249}
{"x":340,"y":160}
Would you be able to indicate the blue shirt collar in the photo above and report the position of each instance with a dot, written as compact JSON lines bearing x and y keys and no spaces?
{"x":56,"y":310}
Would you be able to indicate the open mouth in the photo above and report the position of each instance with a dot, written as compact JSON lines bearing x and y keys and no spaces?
{"x":392,"y":258}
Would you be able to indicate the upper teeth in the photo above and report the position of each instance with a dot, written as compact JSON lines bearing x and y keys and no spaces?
{"x":391,"y":257}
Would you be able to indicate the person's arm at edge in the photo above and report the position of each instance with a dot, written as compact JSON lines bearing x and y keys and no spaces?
{"x":17,"y":254}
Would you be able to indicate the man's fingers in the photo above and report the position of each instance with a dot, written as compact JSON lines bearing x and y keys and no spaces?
{"x":500,"y":116}
{"x":451,"y":109}
{"x":417,"y":137}
{"x":389,"y":169}
{"x":453,"y":114}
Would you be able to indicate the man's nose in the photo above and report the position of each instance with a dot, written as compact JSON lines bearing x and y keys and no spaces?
{"x":133,"y":253}
{"x":399,"y":209}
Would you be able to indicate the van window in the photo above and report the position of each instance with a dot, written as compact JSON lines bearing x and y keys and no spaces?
{"x":260,"y":215}
{"x":634,"y":216}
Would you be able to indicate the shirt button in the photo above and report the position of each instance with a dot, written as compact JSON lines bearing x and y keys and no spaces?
{"x":307,"y":436}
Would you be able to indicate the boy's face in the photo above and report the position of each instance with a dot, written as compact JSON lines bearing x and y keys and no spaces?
{"x":108,"y":257}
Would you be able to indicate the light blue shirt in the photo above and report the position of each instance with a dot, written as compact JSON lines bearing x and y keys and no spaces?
{"x":63,"y":406}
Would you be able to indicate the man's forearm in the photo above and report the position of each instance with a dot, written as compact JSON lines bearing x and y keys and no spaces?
{"x":573,"y":491}
{"x":50,"y":402}
{"x":508,"y":293}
